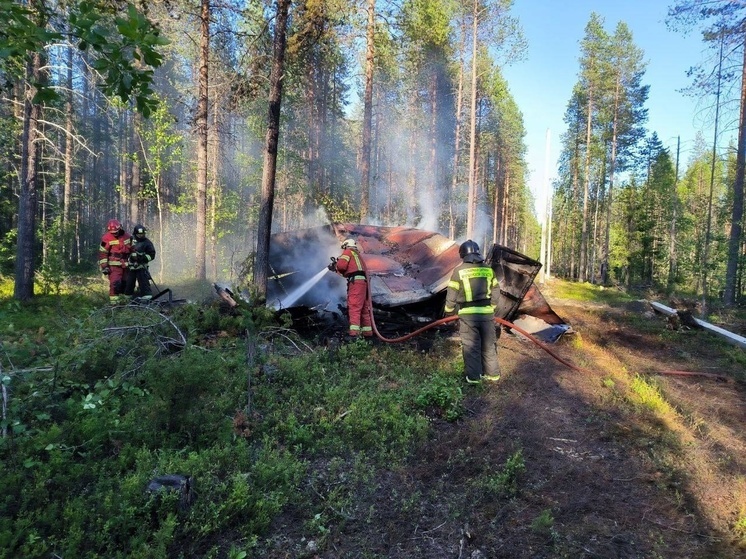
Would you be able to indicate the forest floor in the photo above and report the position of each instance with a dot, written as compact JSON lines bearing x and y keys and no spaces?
{"x":620,"y":459}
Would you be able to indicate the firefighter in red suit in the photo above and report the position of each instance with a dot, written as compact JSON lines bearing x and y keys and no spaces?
{"x":113,"y":253}
{"x":350,"y":264}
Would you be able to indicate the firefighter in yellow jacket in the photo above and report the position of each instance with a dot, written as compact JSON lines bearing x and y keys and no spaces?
{"x":473,"y":292}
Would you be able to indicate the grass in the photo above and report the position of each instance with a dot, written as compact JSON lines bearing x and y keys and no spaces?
{"x":97,"y":403}
{"x":585,"y":292}
{"x":269,"y":433}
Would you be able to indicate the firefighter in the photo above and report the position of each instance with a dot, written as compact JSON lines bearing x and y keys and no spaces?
{"x":351,"y":266}
{"x":143,"y":253}
{"x":473,"y":292}
{"x":113,"y":255}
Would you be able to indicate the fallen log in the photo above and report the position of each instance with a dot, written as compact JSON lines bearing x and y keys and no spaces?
{"x":730,"y":337}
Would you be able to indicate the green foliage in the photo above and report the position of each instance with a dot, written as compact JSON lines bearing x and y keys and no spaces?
{"x":115,"y":410}
{"x":339,"y":211}
{"x":649,"y":396}
{"x":442,"y":396}
{"x":125,"y":45}
{"x":8,"y":253}
{"x":590,"y":293}
{"x":544,"y":523}
{"x":739,"y":529}
{"x":505,"y":482}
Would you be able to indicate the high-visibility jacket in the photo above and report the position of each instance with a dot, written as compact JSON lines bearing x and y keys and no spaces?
{"x":473,"y":289}
{"x":351,"y":265}
{"x":114,"y":251}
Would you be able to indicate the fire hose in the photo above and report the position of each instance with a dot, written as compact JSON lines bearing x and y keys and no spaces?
{"x":446,"y":320}
{"x":508,"y":324}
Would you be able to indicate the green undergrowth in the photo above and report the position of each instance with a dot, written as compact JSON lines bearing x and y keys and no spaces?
{"x":100,"y":401}
{"x":586,"y":292}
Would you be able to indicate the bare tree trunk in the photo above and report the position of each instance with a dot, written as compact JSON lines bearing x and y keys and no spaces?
{"x":734,"y":241}
{"x":582,"y":269}
{"x":68,"y":188}
{"x":496,"y":200}
{"x":367,"y":113}
{"x":672,"y":256}
{"x":264,"y":226}
{"x":32,"y":112}
{"x":505,"y":218}
{"x":201,"y":125}
{"x":214,"y":189}
{"x":610,"y":196}
{"x":706,"y":250}
{"x":136,"y":184}
{"x":472,"y":198}
{"x":457,"y":138}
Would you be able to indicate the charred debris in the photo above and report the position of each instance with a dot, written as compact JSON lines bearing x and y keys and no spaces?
{"x":409,"y":270}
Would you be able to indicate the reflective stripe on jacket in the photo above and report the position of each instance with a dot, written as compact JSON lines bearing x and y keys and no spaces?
{"x":114,"y":251}
{"x":473,"y":289}
{"x":350,"y":264}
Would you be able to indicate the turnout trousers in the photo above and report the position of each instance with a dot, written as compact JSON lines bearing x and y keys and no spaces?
{"x":358,"y":308}
{"x":142,"y":277}
{"x":479,"y":345}
{"x":117,"y":280}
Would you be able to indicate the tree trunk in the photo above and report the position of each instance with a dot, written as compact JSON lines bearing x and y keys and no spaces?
{"x":30,"y":149}
{"x":264,"y":226}
{"x":136,"y":184}
{"x":457,"y":137}
{"x":201,"y":129}
{"x":582,"y":268}
{"x":708,"y":228}
{"x":68,"y":188}
{"x":367,"y":113}
{"x":672,"y":256}
{"x":472,"y":198}
{"x":609,"y":200}
{"x":214,"y":190}
{"x":734,"y":242}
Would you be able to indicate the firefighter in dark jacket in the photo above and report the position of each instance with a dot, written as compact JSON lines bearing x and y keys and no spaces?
{"x":350,"y":264}
{"x":473,"y":292}
{"x":113,"y":254}
{"x":143,"y":253}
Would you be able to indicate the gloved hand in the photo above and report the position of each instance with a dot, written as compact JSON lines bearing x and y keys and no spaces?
{"x":333,"y":266}
{"x":142,"y":258}
{"x":106,"y":271}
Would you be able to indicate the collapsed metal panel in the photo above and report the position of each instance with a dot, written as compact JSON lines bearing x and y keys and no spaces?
{"x":520,"y":300}
{"x":516,"y":273}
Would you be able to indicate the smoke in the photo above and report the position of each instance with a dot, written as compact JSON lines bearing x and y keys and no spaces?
{"x":295,"y":257}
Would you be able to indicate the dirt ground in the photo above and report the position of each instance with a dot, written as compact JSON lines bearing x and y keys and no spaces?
{"x":621,"y":460}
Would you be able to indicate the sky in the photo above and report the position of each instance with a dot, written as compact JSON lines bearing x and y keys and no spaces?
{"x":542,"y":83}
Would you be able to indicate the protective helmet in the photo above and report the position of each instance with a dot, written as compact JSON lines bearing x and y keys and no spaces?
{"x":139,"y":232}
{"x":113,"y":226}
{"x":467,"y":248}
{"x":349,"y":243}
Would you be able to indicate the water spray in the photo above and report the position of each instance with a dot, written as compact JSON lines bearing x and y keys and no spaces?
{"x":298,"y":292}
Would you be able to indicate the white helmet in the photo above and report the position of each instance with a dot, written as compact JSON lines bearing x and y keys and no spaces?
{"x":349,"y":243}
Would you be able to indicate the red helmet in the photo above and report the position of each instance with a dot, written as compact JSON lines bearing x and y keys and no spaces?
{"x":113,"y":226}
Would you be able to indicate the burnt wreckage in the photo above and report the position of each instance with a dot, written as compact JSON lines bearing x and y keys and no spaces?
{"x":409,"y":271}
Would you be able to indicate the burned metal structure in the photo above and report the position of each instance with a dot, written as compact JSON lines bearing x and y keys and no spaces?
{"x":409,"y":270}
